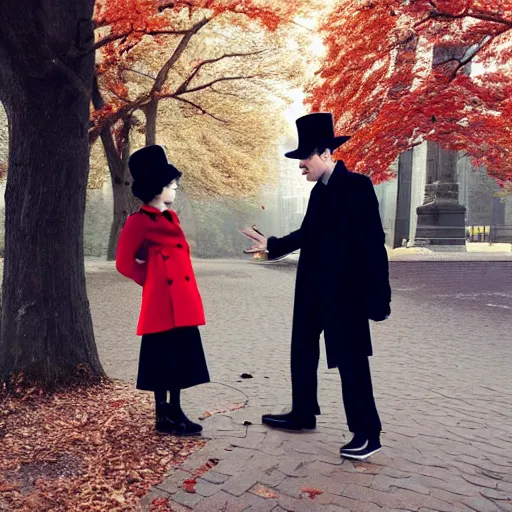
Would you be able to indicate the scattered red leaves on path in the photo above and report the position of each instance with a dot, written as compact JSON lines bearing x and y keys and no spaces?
{"x":92,"y":449}
{"x":160,"y":505}
{"x":264,"y":492}
{"x":189,"y":485}
{"x":234,"y":407}
{"x":311,"y":493}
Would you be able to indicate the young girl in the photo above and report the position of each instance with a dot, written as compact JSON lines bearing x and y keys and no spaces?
{"x":153,"y":252}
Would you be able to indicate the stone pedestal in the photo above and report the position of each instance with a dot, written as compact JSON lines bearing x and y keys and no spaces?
{"x":441,"y":219}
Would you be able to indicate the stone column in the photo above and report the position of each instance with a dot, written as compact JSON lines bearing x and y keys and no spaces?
{"x":403,"y":199}
{"x":441,"y":218}
{"x":418,"y":182}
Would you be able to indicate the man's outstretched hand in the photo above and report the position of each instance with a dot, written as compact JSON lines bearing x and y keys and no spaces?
{"x":259,"y":240}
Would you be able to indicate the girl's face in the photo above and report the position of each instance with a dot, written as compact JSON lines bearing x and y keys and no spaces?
{"x":168,"y":194}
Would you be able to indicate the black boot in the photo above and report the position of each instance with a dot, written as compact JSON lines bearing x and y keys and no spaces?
{"x":169,"y":421}
{"x":290,"y":421}
{"x":185,"y":425}
{"x":172,"y":420}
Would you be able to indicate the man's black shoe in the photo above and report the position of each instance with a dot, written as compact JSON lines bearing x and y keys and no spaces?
{"x":372,"y":447}
{"x":357,"y":443}
{"x":290,"y":421}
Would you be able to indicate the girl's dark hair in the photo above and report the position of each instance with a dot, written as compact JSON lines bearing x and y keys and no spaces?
{"x":146,"y":191}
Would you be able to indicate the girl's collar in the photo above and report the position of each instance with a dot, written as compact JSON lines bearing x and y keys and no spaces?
{"x":150,"y":209}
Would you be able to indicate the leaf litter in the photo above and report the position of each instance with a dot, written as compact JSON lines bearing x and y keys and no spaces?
{"x":87,"y":449}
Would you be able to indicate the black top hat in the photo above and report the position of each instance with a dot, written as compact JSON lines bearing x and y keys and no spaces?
{"x":149,"y":165}
{"x":315,"y":130}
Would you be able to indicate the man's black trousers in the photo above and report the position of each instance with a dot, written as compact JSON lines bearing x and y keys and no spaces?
{"x":356,"y":381}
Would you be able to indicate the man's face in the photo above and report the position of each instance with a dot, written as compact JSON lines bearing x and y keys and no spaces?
{"x":313,"y":167}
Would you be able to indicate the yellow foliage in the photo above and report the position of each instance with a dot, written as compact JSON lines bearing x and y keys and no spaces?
{"x":224,"y":136}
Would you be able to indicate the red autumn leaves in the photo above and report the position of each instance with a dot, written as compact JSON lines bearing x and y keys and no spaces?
{"x":379,"y":81}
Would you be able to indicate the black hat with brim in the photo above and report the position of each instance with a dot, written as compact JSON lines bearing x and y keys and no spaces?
{"x":149,"y":165}
{"x":315,"y":131}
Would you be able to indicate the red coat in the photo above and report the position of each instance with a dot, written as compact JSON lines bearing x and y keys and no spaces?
{"x":170,"y":297}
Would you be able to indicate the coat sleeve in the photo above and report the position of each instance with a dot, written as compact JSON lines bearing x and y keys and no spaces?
{"x":278,"y":247}
{"x":130,"y":242}
{"x":371,"y":240}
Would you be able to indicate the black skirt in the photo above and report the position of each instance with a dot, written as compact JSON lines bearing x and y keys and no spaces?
{"x":172,"y":359}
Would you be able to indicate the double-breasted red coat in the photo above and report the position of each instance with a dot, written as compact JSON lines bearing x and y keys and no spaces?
{"x":170,"y":296}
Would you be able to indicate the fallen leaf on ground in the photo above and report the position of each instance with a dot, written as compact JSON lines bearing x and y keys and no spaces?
{"x":311,"y":493}
{"x":89,"y":449}
{"x":234,"y":407}
{"x":160,"y":505}
{"x":365,"y":467}
{"x":264,"y":492}
{"x":189,"y":485}
{"x":211,"y":463}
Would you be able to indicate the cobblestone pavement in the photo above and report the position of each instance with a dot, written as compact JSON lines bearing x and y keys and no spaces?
{"x":442,"y":379}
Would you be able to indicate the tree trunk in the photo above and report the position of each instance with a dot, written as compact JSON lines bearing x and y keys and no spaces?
{"x":124,"y":201}
{"x":151,"y":113}
{"x":46,"y":327}
{"x":124,"y":204}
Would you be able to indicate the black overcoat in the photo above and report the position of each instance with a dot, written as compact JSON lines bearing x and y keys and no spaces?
{"x":343,"y":271}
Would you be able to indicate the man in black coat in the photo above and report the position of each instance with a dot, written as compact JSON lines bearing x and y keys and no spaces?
{"x":342,"y":283}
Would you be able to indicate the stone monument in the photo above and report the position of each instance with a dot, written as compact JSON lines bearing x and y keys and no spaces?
{"x":441,"y":218}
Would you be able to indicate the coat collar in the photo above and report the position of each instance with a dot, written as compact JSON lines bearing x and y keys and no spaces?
{"x":150,"y":209}
{"x":340,"y":171}
{"x":153,"y":212}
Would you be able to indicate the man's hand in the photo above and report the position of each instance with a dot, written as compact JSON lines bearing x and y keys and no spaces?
{"x":259,"y":241}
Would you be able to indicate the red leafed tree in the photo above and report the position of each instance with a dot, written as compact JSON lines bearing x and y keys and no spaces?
{"x":126,"y":29}
{"x":385,"y":87}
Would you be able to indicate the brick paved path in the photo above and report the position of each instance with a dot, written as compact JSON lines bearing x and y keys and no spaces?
{"x":442,"y":378}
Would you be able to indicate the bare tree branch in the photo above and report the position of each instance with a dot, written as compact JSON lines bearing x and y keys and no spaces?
{"x":122,"y":112}
{"x":146,"y":99}
{"x":183,"y":87}
{"x":302,"y":26}
{"x":139,"y":73}
{"x":201,"y":109}
{"x":222,"y":79}
{"x":477,"y":16}
{"x":164,"y":72}
{"x":469,"y":56}
{"x":227,"y":93}
{"x":443,"y":16}
{"x":117,"y":37}
{"x":105,"y":132}
{"x":114,"y":93}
